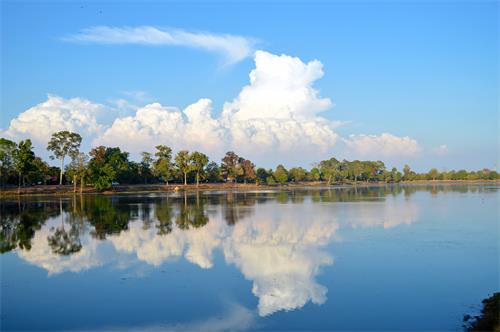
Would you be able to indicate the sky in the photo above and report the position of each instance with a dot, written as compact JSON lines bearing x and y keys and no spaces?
{"x":281,"y":82}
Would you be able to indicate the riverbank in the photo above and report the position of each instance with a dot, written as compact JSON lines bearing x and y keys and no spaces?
{"x":152,"y":188}
{"x":489,"y":319}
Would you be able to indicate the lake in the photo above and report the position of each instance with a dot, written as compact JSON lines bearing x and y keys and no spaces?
{"x":366,"y":258}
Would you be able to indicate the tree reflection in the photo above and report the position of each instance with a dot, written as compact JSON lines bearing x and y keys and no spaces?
{"x":20,"y":220}
{"x":65,"y":242}
{"x":100,"y":215}
{"x":192,"y":214}
{"x":236,"y":206}
{"x":164,"y":215}
{"x":101,"y":212}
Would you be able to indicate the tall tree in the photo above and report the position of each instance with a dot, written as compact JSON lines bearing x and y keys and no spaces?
{"x":23,"y":159}
{"x":145,"y":168}
{"x":77,"y":169}
{"x":248,"y":169}
{"x":198,"y":163}
{"x":162,"y":166}
{"x":183,"y":162}
{"x":7,"y":149}
{"x":62,"y":144}
{"x":230,"y":167}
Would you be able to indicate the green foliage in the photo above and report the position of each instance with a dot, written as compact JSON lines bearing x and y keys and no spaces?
{"x":262,"y":175}
{"x":78,"y":169}
{"x":213,"y":172}
{"x":315,"y":174}
{"x":24,"y":158}
{"x":145,"y":166}
{"x":7,"y":150}
{"x":198,"y":163}
{"x":330,"y":169}
{"x":281,"y":174}
{"x":183,"y":163}
{"x":297,"y":174}
{"x":107,"y":165}
{"x":18,"y":164}
{"x":62,"y":144}
{"x":162,"y":166}
{"x":433,"y":174}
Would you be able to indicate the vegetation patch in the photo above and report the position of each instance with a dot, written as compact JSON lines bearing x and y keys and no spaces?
{"x":488,"y":320}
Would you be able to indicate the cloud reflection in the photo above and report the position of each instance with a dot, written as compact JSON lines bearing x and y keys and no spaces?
{"x":281,"y":251}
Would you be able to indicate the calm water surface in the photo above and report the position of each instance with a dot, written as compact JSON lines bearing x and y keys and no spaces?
{"x":386,"y":258}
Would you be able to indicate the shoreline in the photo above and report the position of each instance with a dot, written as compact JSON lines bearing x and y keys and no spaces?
{"x":67,"y":190}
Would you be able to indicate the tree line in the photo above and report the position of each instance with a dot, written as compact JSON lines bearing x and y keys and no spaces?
{"x":104,"y":167}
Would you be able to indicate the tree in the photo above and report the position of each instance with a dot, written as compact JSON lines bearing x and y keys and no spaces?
{"x":102,"y":171}
{"x":7,"y":150}
{"x":297,"y":174}
{"x":329,"y":168}
{"x":433,"y":174}
{"x":162,"y":166}
{"x":39,"y":171}
{"x":64,"y":242}
{"x":198,"y":163}
{"x":213,"y":172}
{"x":77,"y":169}
{"x":23,"y":159}
{"x":230,"y":167}
{"x":315,"y":174}
{"x":262,"y":175}
{"x":183,"y":162}
{"x":248,"y":170}
{"x":281,"y":174}
{"x":145,"y":167}
{"x":64,"y":143}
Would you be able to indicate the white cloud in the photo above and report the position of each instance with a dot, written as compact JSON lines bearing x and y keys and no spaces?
{"x":280,"y":88}
{"x":193,"y":128}
{"x":232,"y":48}
{"x":277,"y":116}
{"x":384,"y":145}
{"x":41,"y":121}
{"x":278,"y":110}
{"x":440,"y":150}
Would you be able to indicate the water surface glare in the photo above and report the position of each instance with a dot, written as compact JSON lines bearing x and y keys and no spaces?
{"x":378,"y":258}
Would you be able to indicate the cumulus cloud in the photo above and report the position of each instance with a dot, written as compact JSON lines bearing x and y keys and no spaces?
{"x":276,"y":113}
{"x":277,"y":116}
{"x":41,"y":121}
{"x":232,"y":48}
{"x":279,"y":109}
{"x":192,"y":128}
{"x":386,"y":145}
{"x":280,"y":88}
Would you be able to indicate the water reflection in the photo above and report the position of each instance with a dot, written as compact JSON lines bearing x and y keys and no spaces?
{"x":281,"y":250}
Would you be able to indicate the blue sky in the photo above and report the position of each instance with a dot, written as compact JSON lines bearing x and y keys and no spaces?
{"x":426,"y":70}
